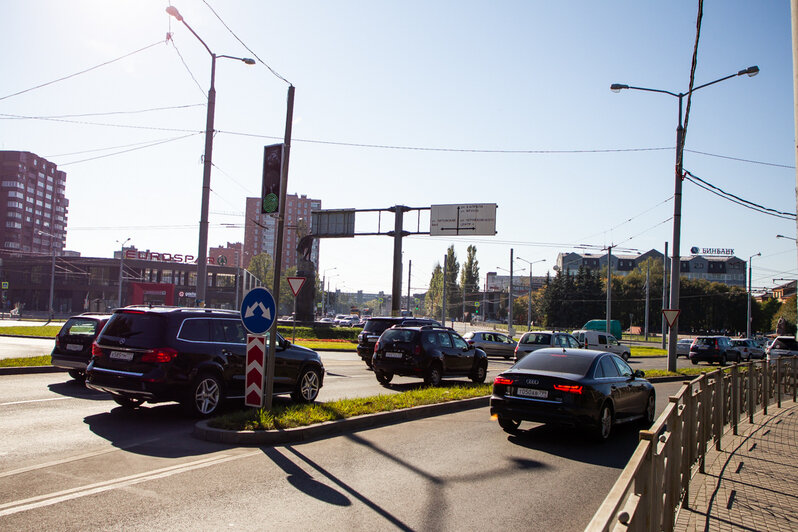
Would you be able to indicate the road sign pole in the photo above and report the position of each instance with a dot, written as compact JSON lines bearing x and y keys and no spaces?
{"x":258,"y":314}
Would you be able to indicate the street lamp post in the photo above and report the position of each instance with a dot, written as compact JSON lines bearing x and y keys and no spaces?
{"x":673,"y":337}
{"x":52,"y":271}
{"x":202,"y":254}
{"x":510,"y":330}
{"x":324,"y":292}
{"x":121,"y":266}
{"x":748,"y":321}
{"x":529,"y":310}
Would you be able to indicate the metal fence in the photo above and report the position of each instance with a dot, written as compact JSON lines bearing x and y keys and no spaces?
{"x":656,"y":480}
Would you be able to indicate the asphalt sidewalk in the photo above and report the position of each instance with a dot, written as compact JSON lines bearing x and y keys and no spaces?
{"x":752,"y":484}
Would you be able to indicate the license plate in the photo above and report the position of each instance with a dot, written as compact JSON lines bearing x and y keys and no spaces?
{"x":393,"y":354}
{"x":121,"y":355}
{"x":74,"y":347}
{"x":531,"y":392}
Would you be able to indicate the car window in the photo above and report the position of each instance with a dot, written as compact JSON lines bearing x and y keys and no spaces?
{"x":444,"y":340}
{"x":80,"y":326}
{"x":137,"y":329}
{"x":573,"y":342}
{"x":557,"y":361}
{"x":705,"y":341}
{"x":785,"y":343}
{"x":623,"y":367}
{"x":459,"y":343}
{"x":612,"y":341}
{"x":536,"y":338}
{"x":228,"y":332}
{"x":503,"y":339}
{"x":195,"y":330}
{"x":602,"y":340}
{"x":430,"y":338}
{"x":608,"y":369}
{"x":398,"y":335}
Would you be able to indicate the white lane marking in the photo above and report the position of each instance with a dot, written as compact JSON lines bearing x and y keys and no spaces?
{"x":99,"y":487}
{"x":36,"y":401}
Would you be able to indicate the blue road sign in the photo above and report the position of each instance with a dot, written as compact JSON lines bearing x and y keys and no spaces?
{"x":258,"y":310}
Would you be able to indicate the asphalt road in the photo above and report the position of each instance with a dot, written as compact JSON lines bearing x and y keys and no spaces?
{"x":70,"y":459}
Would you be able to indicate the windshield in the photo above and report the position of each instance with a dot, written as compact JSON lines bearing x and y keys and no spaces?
{"x":537,"y":338}
{"x":785,"y":343}
{"x":398,"y":335}
{"x":80,"y":326}
{"x":556,"y":361}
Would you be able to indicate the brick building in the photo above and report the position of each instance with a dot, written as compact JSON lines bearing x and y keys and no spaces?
{"x":260,"y":229}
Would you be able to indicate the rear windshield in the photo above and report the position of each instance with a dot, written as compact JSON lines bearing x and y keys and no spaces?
{"x":785,"y":343}
{"x":378,"y":326}
{"x":537,"y":338}
{"x":706,"y":341}
{"x":557,"y":361}
{"x":80,"y":326}
{"x":399,"y":335}
{"x":136,"y":330}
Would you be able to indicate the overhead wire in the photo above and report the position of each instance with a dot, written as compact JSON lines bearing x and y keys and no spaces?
{"x":170,"y":38}
{"x":158,"y":143}
{"x":764,"y":163}
{"x":108,"y":113}
{"x":693,"y":65}
{"x":737,"y":199}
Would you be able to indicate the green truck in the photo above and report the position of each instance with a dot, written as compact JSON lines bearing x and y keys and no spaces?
{"x":601,"y":325}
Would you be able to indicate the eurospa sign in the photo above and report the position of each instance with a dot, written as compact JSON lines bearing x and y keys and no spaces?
{"x":726,"y":252}
{"x":169,"y":257}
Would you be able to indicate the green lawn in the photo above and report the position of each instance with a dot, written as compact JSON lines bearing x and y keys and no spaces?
{"x":646,"y":351}
{"x":32,"y":330}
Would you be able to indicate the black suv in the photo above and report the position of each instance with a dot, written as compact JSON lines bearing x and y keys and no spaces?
{"x":72,"y":349}
{"x":191,"y":355}
{"x":714,"y":349}
{"x":374,"y":327}
{"x":430,"y":352}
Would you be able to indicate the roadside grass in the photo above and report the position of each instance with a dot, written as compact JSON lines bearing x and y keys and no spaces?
{"x":50,"y":331}
{"x":639,"y":351}
{"x":687,"y":372}
{"x":23,"y":362}
{"x":300,"y":415}
{"x":327,"y":345}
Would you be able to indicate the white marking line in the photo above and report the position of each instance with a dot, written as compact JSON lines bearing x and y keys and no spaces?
{"x":36,"y":401}
{"x":99,"y":487}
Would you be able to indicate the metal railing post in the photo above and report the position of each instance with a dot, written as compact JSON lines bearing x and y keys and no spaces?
{"x":735,"y":397}
{"x":720,"y":408}
{"x":703,"y":412}
{"x":765,"y":387}
{"x":689,"y":432}
{"x":778,"y":382}
{"x":794,"y":379}
{"x":751,"y":371}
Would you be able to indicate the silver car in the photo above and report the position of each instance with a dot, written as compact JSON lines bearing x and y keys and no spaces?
{"x":683,"y":347}
{"x":534,"y":340}
{"x":748,"y":348}
{"x":493,"y":343}
{"x":782,"y":346}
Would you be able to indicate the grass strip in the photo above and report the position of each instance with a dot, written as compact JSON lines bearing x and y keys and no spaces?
{"x":640,"y":351}
{"x":325,"y":345}
{"x":49,"y":331}
{"x":301,"y":415}
{"x":23,"y":362}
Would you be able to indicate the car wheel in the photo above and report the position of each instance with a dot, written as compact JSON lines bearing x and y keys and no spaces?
{"x":77,"y":375}
{"x":480,"y":374}
{"x":308,"y":386}
{"x":383,"y":377}
{"x":694,"y":361}
{"x":433,"y":376}
{"x":625,"y":356}
{"x":723,"y":359}
{"x":128,"y":402}
{"x":506,"y":357}
{"x":604,"y":428}
{"x":509,"y":425}
{"x":204,"y":396}
{"x":651,"y":410}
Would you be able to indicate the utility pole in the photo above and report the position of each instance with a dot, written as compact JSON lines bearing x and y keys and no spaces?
{"x":443,"y":311}
{"x":648,"y":290}
{"x":609,"y":287}
{"x":510,"y":330}
{"x":397,"y":233}
{"x":409,"y":269}
{"x":664,"y":292}
{"x":794,"y":19}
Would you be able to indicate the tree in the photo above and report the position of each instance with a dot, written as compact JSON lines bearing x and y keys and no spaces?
{"x":262,"y":267}
{"x":434,"y":297}
{"x":453,"y":294}
{"x":788,"y":312}
{"x":469,"y":280}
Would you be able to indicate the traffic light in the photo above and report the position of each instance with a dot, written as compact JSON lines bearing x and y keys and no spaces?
{"x":272,"y":176}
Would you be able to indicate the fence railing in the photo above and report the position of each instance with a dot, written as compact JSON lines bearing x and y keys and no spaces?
{"x":656,"y":480}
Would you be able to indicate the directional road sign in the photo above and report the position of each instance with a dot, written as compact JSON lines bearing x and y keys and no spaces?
{"x":296,"y":284}
{"x":256,"y":361}
{"x":258,"y":310}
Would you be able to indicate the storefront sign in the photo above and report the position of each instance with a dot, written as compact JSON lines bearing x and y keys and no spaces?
{"x":695,"y":250}
{"x":170,"y":257}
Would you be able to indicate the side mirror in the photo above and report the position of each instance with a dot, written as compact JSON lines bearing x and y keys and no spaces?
{"x":640,"y":374}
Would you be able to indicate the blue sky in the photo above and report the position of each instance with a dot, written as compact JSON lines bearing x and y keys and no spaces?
{"x":525,"y":76}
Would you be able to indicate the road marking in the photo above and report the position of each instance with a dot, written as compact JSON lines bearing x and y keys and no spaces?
{"x":49,"y":499}
{"x":36,"y":401}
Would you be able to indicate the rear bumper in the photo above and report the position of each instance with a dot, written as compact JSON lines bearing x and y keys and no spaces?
{"x":131,"y":385}
{"x":539,"y":411}
{"x":68,"y":362}
{"x":399,"y":367}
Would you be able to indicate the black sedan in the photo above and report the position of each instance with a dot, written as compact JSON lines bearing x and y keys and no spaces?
{"x":574,"y":387}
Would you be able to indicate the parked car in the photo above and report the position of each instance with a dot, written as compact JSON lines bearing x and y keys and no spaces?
{"x":72,"y":350}
{"x":714,"y":349}
{"x":580,"y":388}
{"x":374,"y":327}
{"x":748,"y":348}
{"x":782,"y":346}
{"x":683,"y":347}
{"x":350,"y":321}
{"x":493,"y":343}
{"x":534,"y":340}
{"x":191,"y":355}
{"x":429,"y":352}
{"x":326,"y":320}
{"x":601,"y":341}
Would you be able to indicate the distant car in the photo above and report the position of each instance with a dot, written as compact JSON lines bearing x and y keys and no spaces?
{"x":714,"y":349}
{"x":683,"y":347}
{"x":493,"y":343}
{"x":748,"y":348}
{"x":195,"y":356}
{"x":580,"y":388}
{"x":326,"y":320}
{"x":350,"y":321}
{"x":782,"y":346}
{"x":601,"y":341}
{"x":73,"y":342}
{"x":375,"y":326}
{"x":428,"y":352}
{"x":534,"y":340}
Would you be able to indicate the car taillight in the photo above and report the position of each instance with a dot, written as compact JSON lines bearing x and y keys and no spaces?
{"x":568,"y":388}
{"x":417,"y":350}
{"x":95,"y":350}
{"x":376,"y":346}
{"x":471,"y":342}
{"x":164,"y":354}
{"x":504,"y":381}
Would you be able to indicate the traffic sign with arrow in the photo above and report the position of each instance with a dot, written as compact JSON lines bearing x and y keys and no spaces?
{"x":258,"y":310}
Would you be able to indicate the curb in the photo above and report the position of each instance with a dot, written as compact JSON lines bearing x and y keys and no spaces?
{"x":331,"y":428}
{"x":24,"y":370}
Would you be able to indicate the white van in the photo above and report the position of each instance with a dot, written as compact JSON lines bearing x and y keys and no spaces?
{"x":601,"y":341}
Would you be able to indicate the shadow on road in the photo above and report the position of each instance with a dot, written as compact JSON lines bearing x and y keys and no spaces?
{"x":574,"y":444}
{"x":78,"y":390}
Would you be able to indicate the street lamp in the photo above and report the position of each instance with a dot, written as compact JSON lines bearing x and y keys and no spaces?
{"x":510,"y":330}
{"x":324,"y":292}
{"x":52,"y":269}
{"x":121,"y":266}
{"x":748,"y":321}
{"x":673,"y":337}
{"x":202,"y":254}
{"x":529,"y":310}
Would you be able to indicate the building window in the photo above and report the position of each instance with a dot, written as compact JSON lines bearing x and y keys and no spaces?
{"x":14,"y":204}
{"x":11,"y":245}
